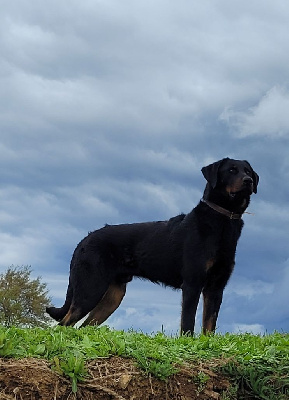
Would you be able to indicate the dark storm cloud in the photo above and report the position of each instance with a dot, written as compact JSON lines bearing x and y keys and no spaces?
{"x":108,"y":112}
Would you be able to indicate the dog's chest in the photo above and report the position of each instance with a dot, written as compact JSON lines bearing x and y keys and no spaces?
{"x":221,"y":246}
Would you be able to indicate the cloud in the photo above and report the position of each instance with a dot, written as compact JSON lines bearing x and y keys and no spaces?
{"x":250,"y":289}
{"x":255,"y":329}
{"x":268,"y":118}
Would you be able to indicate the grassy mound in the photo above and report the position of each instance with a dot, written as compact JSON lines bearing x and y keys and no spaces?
{"x":99,"y":363}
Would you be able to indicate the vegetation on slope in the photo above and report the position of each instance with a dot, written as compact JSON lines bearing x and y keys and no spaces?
{"x":256,"y":366}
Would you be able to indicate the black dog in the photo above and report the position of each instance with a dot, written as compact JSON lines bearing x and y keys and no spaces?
{"x":194,"y":252}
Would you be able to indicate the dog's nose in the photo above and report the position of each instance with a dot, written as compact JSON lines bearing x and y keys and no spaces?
{"x":248,"y":180}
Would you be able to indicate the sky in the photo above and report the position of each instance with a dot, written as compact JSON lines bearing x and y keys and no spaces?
{"x":108,"y":112}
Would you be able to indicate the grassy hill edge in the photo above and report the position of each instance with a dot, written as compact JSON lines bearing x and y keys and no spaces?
{"x":256,"y":365}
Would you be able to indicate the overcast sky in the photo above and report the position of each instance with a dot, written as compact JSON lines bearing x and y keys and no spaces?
{"x":108,"y":112}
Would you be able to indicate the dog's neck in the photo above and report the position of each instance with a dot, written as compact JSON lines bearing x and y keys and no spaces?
{"x":221,"y":210}
{"x":223,"y":203}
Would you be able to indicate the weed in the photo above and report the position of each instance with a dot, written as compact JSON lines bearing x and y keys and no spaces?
{"x":73,"y":367}
{"x":231,"y":393}
{"x":5,"y":345}
{"x":201,"y":380}
{"x":257,"y":380}
{"x":162,"y":370}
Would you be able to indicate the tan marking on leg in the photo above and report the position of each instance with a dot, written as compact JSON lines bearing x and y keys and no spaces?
{"x":209,"y":264}
{"x":66,"y":319}
{"x":209,"y":325}
{"x":107,"y":305}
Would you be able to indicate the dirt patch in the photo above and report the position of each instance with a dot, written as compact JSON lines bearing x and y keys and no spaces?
{"x":109,"y":379}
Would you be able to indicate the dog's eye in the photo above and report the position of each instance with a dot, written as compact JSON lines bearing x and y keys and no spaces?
{"x":233,"y":170}
{"x":247,"y":171}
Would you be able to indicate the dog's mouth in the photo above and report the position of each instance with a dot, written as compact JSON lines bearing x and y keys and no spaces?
{"x":245,"y":189}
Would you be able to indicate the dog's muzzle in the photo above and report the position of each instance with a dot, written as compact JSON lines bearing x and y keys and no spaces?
{"x":245,"y":185}
{"x":248,"y":183}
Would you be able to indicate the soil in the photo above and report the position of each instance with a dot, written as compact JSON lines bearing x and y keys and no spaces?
{"x":109,"y":379}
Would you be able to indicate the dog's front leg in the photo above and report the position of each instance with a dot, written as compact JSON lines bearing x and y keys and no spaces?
{"x":212,"y":303}
{"x":191,"y":295}
{"x":213,"y":294}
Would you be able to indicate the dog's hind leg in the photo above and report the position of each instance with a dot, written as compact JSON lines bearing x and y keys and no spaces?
{"x":107,"y":305}
{"x":86,"y":294}
{"x":59,"y":313}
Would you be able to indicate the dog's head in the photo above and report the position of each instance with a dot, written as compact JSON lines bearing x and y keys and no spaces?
{"x":230,"y":179}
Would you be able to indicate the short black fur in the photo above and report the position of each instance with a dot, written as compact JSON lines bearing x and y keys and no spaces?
{"x":193,"y":252}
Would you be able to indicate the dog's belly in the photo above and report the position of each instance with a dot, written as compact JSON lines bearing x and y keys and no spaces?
{"x":159,"y":267}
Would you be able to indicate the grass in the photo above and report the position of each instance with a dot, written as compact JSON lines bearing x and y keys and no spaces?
{"x":256,"y":365}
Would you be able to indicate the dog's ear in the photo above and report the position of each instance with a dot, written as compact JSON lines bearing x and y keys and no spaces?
{"x":255,"y":178}
{"x":210,"y":172}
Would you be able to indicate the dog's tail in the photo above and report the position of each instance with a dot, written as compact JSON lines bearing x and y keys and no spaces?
{"x":59,"y":313}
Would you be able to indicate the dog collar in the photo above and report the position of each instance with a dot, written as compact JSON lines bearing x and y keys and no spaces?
{"x":222,"y":210}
